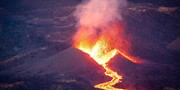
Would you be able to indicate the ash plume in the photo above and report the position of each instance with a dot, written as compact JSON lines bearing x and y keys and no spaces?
{"x":100,"y":17}
{"x":97,"y":13}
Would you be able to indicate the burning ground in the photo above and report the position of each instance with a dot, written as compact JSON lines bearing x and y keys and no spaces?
{"x":36,"y":50}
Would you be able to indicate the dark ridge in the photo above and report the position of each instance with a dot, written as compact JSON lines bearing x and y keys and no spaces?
{"x":168,"y":3}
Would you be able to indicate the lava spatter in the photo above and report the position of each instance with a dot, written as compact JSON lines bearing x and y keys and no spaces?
{"x":100,"y":34}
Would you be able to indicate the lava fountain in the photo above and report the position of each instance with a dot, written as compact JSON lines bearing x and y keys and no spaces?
{"x":102,"y":50}
{"x":101,"y":35}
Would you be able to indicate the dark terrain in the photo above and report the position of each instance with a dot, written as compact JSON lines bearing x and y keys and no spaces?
{"x":36,"y":51}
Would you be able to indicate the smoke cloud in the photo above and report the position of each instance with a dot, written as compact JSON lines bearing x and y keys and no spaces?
{"x":97,"y":13}
{"x":97,"y":18}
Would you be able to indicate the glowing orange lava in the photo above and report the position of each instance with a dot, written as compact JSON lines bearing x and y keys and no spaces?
{"x":115,"y":79}
{"x":102,"y":54}
{"x":101,"y":48}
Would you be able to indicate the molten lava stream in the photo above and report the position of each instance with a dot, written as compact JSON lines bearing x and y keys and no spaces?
{"x":109,"y":85}
{"x":102,"y":54}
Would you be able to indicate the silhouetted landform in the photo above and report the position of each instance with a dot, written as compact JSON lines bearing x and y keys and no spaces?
{"x":36,"y":50}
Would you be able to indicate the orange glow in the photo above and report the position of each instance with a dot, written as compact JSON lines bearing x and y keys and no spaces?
{"x":101,"y":46}
{"x":115,"y":79}
{"x":132,"y":59}
{"x":102,"y":54}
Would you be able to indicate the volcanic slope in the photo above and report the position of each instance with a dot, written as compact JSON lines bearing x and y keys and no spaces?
{"x":70,"y":60}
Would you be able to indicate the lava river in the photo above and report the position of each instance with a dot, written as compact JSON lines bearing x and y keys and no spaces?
{"x":102,"y":50}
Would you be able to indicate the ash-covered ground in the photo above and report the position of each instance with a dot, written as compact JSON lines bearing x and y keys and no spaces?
{"x":36,"y":51}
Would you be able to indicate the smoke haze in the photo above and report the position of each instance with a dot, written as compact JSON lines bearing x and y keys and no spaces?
{"x":97,"y":13}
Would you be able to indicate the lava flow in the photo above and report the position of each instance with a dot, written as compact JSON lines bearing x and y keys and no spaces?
{"x":100,"y":34}
{"x":102,"y":54}
{"x":102,"y":50}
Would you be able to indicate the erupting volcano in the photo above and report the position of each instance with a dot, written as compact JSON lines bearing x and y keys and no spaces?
{"x":102,"y":49}
{"x":101,"y":35}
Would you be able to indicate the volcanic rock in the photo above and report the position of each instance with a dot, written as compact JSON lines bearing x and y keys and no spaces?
{"x":68,"y":69}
